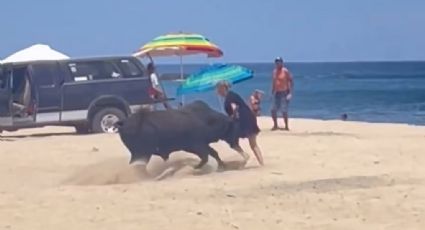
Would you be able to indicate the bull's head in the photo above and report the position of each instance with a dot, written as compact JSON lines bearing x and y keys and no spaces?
{"x":231,"y":135}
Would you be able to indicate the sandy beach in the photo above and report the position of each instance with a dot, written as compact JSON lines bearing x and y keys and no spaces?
{"x":321,"y":175}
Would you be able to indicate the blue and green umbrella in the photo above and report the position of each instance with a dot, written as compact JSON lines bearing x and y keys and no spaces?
{"x":207,"y":78}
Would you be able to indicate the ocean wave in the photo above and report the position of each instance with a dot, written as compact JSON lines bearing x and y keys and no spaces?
{"x":384,"y":76}
{"x":349,"y":76}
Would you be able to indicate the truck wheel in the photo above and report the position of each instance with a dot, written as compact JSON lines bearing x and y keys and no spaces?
{"x":104,"y":120}
{"x":82,"y":129}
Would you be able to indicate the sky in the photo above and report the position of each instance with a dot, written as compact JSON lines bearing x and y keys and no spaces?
{"x":246,"y":30}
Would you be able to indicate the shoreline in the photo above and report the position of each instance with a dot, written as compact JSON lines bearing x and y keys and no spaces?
{"x":265,"y":120}
{"x":347,"y":121}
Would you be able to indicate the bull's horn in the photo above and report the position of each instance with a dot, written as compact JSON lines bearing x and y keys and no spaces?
{"x":119,"y":124}
{"x":134,"y":160}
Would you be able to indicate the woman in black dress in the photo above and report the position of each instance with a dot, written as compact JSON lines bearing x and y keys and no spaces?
{"x":236,"y":108}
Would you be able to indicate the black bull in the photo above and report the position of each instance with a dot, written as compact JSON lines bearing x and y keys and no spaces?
{"x":192,"y":129}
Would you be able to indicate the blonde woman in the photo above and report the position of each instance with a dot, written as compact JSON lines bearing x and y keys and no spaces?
{"x":236,"y":108}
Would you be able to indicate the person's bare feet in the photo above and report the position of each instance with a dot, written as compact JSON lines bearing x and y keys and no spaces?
{"x":260,"y":160}
{"x":284,"y":129}
{"x":221,"y":167}
{"x":246,"y":157}
{"x":243,"y":164}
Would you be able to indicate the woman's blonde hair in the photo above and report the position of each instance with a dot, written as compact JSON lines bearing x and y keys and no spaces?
{"x":224,"y":84}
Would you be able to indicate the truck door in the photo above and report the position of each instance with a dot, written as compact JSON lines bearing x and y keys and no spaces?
{"x":47,"y":83}
{"x":5,"y":98}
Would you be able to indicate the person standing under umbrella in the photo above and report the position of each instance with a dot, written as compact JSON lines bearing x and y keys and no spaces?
{"x":158,"y":92}
{"x":236,"y":108}
{"x":282,"y":86}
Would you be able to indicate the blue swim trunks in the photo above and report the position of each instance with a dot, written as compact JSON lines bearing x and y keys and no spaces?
{"x":280,"y":102}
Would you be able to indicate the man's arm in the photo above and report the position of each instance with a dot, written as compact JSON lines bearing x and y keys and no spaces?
{"x":290,"y":81}
{"x":252,"y":100}
{"x":273,"y":82}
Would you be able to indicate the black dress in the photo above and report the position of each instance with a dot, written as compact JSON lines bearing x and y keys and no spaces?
{"x":246,"y":118}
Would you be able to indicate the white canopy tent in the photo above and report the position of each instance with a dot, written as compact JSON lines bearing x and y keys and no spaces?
{"x":38,"y":52}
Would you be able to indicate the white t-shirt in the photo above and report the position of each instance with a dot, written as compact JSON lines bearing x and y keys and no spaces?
{"x":155,"y":82}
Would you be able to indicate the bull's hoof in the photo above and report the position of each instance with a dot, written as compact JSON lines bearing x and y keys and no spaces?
{"x":221,"y":167}
{"x":200,"y":165}
{"x":200,"y":172}
{"x":235,"y":165}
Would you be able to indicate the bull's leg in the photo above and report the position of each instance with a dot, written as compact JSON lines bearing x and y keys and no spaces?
{"x":204,"y":159}
{"x":166,"y":173}
{"x":165,"y":157}
{"x":202,"y":152}
{"x":215,"y":155}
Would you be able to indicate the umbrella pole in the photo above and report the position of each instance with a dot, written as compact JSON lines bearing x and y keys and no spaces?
{"x":181,"y":75}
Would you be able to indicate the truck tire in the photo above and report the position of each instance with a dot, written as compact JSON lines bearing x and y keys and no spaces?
{"x":104,"y":119}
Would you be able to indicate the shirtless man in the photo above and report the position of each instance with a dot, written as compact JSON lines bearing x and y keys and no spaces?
{"x":282,"y":86}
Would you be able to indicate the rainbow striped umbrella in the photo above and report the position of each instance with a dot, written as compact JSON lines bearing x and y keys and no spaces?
{"x":207,"y":78}
{"x":180,"y":44}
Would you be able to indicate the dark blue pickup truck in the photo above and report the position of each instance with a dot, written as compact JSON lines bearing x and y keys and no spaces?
{"x":88,"y":94}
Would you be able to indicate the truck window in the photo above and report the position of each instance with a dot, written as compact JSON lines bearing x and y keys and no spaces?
{"x":96,"y":70}
{"x":18,"y":79}
{"x":3,"y":83}
{"x":45,"y":74}
{"x":3,"y":80}
{"x":129,"y":68}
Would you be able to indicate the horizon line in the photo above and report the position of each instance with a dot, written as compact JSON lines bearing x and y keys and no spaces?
{"x":302,"y":62}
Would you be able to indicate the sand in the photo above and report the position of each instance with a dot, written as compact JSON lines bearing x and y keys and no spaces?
{"x":321,"y":175}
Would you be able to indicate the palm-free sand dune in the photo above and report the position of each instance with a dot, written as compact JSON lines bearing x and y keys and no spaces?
{"x":321,"y":175}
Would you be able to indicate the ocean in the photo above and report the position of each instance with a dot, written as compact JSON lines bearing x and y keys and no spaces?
{"x":391,"y":92}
